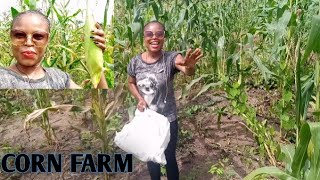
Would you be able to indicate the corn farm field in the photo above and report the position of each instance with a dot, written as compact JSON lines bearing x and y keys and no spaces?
{"x":251,"y":111}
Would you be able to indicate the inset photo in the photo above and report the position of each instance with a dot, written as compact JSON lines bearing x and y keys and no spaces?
{"x":61,"y":44}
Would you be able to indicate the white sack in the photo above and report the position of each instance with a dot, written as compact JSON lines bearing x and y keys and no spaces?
{"x":146,"y":136}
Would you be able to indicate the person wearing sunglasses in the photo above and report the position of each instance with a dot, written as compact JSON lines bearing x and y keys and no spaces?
{"x":150,"y":81}
{"x":29,"y":34}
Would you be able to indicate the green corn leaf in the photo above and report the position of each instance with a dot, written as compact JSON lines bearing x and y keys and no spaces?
{"x":307,"y":91}
{"x":93,"y":54}
{"x":155,"y":9}
{"x":105,"y":16}
{"x":188,"y":87}
{"x":207,"y":87}
{"x":300,"y":155}
{"x":314,"y":151}
{"x":313,"y":41}
{"x":14,"y":12}
{"x":186,"y":90}
{"x":135,"y":29}
{"x":288,"y":151}
{"x":32,"y":4}
{"x":181,"y":18}
{"x":263,"y":69}
{"x":272,"y":171}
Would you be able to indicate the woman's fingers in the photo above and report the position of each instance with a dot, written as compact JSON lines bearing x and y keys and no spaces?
{"x":193,"y":54}
{"x":102,"y":46}
{"x":192,"y":57}
{"x":141,"y":105}
{"x":98,"y":25}
{"x":196,"y":53}
{"x":199,"y":57}
{"x":188,"y":53}
{"x":140,"y":109}
{"x":98,"y":32}
{"x":99,"y":39}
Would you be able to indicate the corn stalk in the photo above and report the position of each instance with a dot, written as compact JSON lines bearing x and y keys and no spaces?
{"x":41,"y":113}
{"x":43,"y":101}
{"x":103,"y":111}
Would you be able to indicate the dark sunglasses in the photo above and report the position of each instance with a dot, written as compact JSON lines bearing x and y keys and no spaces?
{"x":150,"y":34}
{"x":38,"y":38}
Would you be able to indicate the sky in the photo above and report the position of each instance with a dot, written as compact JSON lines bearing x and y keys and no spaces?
{"x":74,"y":5}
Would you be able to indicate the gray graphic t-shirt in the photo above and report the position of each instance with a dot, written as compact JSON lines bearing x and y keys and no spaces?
{"x":54,"y":79}
{"x":155,"y":83}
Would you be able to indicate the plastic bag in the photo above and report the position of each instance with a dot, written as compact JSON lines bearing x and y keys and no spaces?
{"x":146,"y":136}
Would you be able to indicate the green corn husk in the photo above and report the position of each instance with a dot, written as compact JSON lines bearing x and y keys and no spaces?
{"x":313,"y":41}
{"x":93,"y":54}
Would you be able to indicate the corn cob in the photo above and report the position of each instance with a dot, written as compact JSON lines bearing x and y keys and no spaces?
{"x":93,"y":54}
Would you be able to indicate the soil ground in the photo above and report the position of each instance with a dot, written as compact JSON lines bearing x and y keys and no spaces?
{"x":227,"y":148}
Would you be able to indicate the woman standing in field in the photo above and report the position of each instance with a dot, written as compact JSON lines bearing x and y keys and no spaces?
{"x":150,"y":81}
{"x":29,"y":34}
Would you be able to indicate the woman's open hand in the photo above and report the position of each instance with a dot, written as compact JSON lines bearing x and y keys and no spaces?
{"x":98,"y":37}
{"x":191,"y":58}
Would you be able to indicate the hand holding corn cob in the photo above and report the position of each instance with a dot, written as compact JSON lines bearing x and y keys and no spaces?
{"x":98,"y":37}
{"x":94,"y":44}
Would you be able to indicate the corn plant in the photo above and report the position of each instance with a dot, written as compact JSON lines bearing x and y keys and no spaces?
{"x":104,"y":116}
{"x":42,"y":102}
{"x":43,"y":106}
{"x":302,"y":162}
{"x":6,"y":60}
{"x":104,"y":110}
{"x":14,"y":102}
{"x":263,"y":133}
{"x":304,"y":91}
{"x":108,"y":57}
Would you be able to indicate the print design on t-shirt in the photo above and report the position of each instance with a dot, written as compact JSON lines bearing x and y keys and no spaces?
{"x":149,"y":87}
